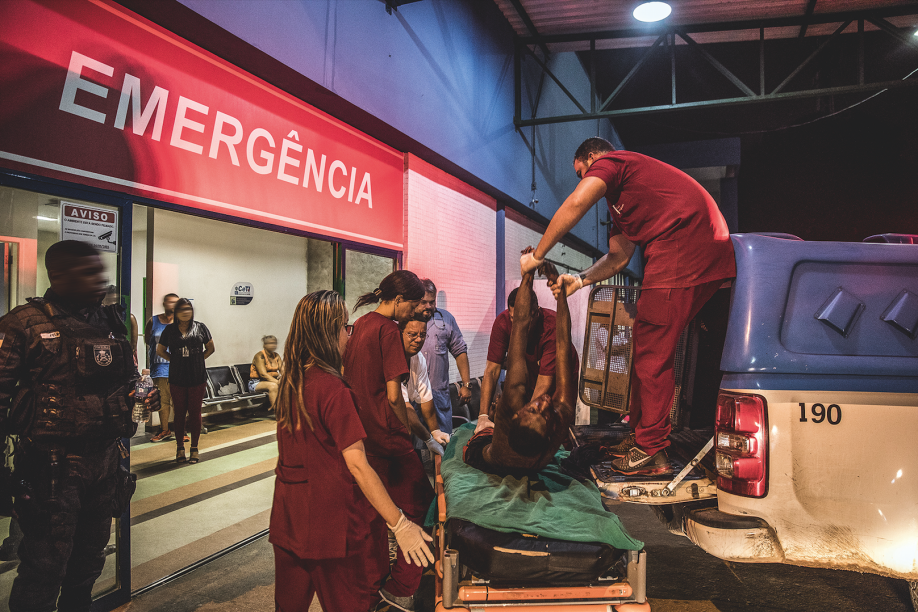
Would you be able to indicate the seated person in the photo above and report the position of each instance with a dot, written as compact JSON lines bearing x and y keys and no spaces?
{"x":417,"y":388}
{"x":265,"y":373}
{"x":525,"y":435}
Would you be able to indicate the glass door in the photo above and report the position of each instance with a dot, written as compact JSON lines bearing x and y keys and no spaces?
{"x":32,"y":221}
{"x":362,"y":273}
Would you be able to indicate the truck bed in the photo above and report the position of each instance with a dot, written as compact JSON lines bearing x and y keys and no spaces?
{"x":700,"y":483}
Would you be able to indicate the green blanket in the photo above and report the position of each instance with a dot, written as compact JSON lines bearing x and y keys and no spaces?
{"x":554,"y":505}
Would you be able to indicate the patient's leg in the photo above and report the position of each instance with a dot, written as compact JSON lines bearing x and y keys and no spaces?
{"x":516,"y":382}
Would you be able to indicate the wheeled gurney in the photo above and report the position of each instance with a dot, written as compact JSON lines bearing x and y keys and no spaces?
{"x":479,"y":568}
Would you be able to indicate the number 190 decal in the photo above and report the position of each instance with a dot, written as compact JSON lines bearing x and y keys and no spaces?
{"x":832,"y":414}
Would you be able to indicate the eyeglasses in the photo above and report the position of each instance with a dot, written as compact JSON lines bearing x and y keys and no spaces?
{"x":349,"y":329}
{"x":416,"y":335}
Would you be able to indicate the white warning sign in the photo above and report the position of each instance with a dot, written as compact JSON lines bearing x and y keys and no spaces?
{"x":97,"y":226}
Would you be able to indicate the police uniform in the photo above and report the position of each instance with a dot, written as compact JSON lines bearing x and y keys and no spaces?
{"x":74,"y":368}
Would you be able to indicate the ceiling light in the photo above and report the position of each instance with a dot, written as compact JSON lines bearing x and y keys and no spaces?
{"x":652,"y":11}
{"x":916,"y":33}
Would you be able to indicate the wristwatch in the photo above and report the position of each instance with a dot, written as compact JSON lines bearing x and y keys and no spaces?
{"x":467,"y":385}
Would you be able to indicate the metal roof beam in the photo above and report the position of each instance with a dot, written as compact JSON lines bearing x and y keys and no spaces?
{"x":749,"y":24}
{"x":518,"y":5}
{"x":810,"y":7}
{"x":645,"y":110}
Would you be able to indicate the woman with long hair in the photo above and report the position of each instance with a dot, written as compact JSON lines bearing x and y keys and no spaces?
{"x":328,"y":535}
{"x":374,"y":367}
{"x":185,"y":344}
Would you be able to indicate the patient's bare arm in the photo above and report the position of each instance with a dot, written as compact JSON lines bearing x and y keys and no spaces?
{"x":566,"y":386}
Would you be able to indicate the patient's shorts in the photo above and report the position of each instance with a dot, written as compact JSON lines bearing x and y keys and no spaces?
{"x":473,"y":454}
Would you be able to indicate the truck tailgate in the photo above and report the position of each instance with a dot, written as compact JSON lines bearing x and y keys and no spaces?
{"x":700,"y":483}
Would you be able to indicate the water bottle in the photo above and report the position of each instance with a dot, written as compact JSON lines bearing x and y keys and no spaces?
{"x":144,"y":387}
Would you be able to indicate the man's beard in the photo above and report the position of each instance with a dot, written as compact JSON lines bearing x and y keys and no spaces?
{"x":426,"y":317}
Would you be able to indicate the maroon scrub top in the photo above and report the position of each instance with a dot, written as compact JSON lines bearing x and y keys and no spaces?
{"x":319,"y":511}
{"x":540,"y":346}
{"x":374,"y":355}
{"x":667,"y":213}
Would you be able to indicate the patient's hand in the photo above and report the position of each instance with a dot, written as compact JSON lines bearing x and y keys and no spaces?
{"x":484,"y":421}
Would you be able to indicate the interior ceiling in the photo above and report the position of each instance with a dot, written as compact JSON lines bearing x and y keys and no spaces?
{"x":559,"y":17}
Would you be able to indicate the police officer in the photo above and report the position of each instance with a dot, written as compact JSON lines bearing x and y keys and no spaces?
{"x":75,"y":372}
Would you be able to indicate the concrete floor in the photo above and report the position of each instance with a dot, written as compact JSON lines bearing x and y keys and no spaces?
{"x":681,"y":578}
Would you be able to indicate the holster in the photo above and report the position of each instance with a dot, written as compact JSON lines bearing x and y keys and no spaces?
{"x":37,"y":479}
{"x":125,"y":485}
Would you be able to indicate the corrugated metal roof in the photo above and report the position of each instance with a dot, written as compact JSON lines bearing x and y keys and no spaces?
{"x":551,"y":17}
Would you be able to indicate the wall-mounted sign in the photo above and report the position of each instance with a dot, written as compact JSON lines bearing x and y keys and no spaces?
{"x":241,"y":294}
{"x":93,"y":93}
{"x":97,"y":226}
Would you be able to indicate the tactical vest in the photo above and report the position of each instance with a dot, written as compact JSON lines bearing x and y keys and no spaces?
{"x":78,"y":383}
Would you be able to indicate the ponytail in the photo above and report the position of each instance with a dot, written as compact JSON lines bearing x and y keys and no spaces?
{"x":400,"y":283}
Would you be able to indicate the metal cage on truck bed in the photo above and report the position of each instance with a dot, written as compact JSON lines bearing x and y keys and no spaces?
{"x":605,"y":381}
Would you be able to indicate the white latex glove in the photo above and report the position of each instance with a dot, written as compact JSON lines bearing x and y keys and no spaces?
{"x":433,"y":446}
{"x":413,"y":542}
{"x":569,"y":282}
{"x":439,"y":436}
{"x":484,"y":421}
{"x":528,"y":263}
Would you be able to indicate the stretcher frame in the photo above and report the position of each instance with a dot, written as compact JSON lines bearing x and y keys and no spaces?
{"x":452,"y":593}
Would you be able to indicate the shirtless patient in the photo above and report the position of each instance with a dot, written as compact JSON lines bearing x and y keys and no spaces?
{"x":524,"y":437}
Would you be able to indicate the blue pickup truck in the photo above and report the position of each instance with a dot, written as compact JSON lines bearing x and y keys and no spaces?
{"x":815,"y":432}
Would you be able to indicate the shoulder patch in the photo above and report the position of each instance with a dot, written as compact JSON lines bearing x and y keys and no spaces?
{"x":49,"y":335}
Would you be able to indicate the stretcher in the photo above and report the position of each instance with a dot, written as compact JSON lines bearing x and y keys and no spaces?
{"x":478,"y":568}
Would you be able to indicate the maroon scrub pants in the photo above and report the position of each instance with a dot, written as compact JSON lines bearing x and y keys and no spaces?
{"x":340,"y":584}
{"x":409,"y":488}
{"x":662,"y":314}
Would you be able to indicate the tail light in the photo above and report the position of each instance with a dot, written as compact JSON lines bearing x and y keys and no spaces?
{"x":741,"y":444}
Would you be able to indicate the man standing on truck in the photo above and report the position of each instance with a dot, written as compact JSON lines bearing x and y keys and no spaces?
{"x":689,"y":254}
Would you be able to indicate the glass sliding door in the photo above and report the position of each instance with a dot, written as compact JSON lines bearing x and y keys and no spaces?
{"x":362,"y":273}
{"x":30,"y":222}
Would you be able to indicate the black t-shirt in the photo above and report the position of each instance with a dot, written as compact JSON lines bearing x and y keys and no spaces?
{"x":186,"y":368}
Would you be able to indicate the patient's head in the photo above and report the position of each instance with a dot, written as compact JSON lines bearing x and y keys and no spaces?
{"x":533,"y":427}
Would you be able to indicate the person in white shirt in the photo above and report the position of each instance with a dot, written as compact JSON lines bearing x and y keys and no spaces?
{"x":417,"y":388}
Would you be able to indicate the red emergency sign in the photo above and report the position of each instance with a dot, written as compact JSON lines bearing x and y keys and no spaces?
{"x":92,"y":93}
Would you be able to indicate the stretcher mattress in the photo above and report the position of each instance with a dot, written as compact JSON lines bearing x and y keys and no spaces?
{"x":513,"y":559}
{"x":550,"y":504}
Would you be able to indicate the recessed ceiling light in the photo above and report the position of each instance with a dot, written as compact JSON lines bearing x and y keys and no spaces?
{"x":916,"y":33}
{"x":652,"y":11}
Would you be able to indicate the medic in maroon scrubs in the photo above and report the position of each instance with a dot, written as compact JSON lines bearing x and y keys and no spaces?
{"x":689,"y":254}
{"x":329,"y":505}
{"x":374,"y":367}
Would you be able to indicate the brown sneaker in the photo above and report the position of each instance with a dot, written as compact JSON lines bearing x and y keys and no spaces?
{"x":639,"y":463}
{"x":162,"y":436}
{"x":624,"y":447}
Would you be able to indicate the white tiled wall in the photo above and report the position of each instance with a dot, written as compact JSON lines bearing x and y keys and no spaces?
{"x":450,"y":231}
